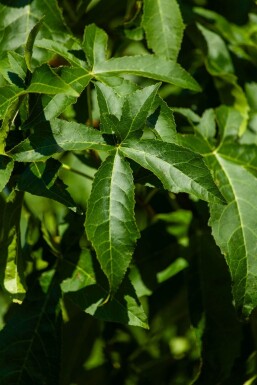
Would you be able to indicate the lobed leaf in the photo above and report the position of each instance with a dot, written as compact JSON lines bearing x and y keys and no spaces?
{"x":135,"y":110}
{"x":110,"y":222}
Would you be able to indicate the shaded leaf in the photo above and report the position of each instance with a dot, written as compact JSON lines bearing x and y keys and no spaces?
{"x":94,"y":44}
{"x":6,"y":167}
{"x":41,"y":179}
{"x":28,"y":50}
{"x":163,"y":26}
{"x":30,"y":342}
{"x":58,"y":136}
{"x":88,"y":288}
{"x":212,"y":310}
{"x":110,"y":221}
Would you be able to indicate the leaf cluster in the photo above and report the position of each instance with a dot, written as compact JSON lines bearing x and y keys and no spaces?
{"x":127,"y":192}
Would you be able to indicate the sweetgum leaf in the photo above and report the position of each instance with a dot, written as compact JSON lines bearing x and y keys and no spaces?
{"x":135,"y":111}
{"x":163,"y":25}
{"x":179,"y":169}
{"x":110,"y":222}
{"x":41,"y":179}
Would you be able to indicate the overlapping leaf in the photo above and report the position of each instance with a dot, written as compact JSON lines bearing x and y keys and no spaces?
{"x":18,"y":18}
{"x":110,"y":221}
{"x":234,"y":170}
{"x":30,"y":343}
{"x":177,"y":168}
{"x":149,"y":66}
{"x":41,"y":179}
{"x":57,"y":136}
{"x":6,"y":167}
{"x":86,"y":285}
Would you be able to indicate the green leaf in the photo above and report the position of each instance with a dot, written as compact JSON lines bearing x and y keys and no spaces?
{"x":109,"y":101}
{"x":41,"y":179}
{"x":135,"y":111}
{"x":58,"y":48}
{"x":45,"y":80}
{"x":218,"y":57}
{"x":11,"y":265}
{"x":30,"y":342}
{"x":87,"y":286}
{"x":234,"y":228}
{"x":219,"y":65}
{"x":6,"y":167}
{"x":94,"y":44}
{"x":55,"y":137}
{"x":149,"y":66}
{"x":18,"y":64}
{"x":28,"y":50}
{"x":22,"y":18}
{"x":163,"y":122}
{"x":174,"y":268}
{"x":110,"y":221}
{"x":8,"y":94}
{"x":179,"y":169}
{"x":163,"y":26}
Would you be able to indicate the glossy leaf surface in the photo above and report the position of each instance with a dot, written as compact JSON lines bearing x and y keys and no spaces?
{"x":110,"y":222}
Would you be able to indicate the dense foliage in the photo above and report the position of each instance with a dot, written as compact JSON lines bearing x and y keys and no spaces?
{"x":128,"y":212}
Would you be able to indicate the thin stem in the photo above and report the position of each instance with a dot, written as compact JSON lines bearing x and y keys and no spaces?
{"x":150,"y":195}
{"x":70,"y":11}
{"x":89,"y":106}
{"x":68,"y":168}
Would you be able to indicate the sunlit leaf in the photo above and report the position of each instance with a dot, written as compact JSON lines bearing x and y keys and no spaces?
{"x":163,"y":23}
{"x":11,"y":265}
{"x":177,"y":168}
{"x":110,"y":221}
{"x":150,"y":66}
